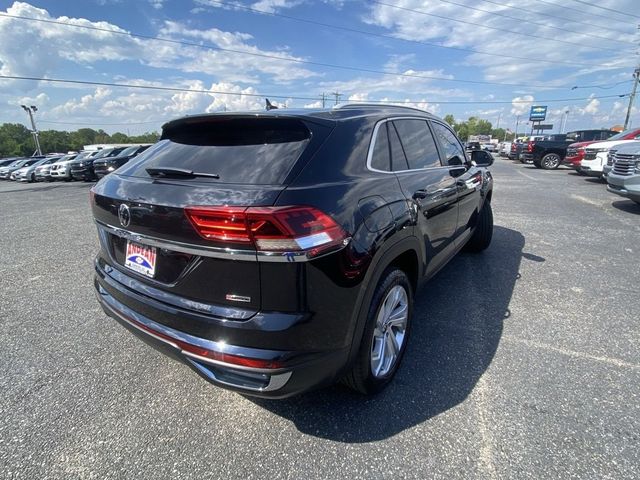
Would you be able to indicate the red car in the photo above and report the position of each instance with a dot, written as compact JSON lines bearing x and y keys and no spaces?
{"x":575,"y":151}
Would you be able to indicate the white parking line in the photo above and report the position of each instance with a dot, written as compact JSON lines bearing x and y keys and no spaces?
{"x":572,"y":353}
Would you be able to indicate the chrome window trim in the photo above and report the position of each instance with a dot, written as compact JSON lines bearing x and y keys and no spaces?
{"x":372,"y":144}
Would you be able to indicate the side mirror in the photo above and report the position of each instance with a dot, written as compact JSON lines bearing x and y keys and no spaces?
{"x":482,"y":158}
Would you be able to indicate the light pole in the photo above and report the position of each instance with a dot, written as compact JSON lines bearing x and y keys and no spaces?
{"x":515,"y":136}
{"x":34,"y":131}
{"x":563,"y":123}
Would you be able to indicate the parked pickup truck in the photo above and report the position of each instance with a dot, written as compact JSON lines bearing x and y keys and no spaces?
{"x":548,"y":154}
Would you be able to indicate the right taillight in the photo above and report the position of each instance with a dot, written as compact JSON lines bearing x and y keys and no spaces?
{"x":270,"y":229}
{"x":530,"y":146}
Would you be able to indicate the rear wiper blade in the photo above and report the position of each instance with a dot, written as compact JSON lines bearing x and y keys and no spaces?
{"x":178,"y":172}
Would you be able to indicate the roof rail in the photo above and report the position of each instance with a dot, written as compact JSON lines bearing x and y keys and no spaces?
{"x":376,"y":105}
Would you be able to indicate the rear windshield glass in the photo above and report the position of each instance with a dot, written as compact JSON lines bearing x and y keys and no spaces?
{"x":242,"y":150}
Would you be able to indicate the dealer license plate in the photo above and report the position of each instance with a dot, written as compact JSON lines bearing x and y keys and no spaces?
{"x":141,"y":259}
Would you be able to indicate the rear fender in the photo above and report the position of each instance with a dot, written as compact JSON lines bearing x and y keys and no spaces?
{"x":379,"y":263}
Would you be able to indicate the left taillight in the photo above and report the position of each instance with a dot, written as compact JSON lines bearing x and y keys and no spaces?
{"x":530,"y":146}
{"x":269,"y":229}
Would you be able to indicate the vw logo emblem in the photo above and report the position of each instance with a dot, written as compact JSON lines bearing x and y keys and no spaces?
{"x":124,"y":215}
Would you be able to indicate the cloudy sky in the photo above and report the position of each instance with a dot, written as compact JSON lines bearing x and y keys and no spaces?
{"x":490,"y":58}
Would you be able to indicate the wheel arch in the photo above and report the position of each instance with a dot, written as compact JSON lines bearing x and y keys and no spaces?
{"x":404,"y":254}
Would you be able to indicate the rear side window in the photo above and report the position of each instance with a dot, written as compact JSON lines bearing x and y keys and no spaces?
{"x":380,"y":159}
{"x":418,"y":144}
{"x":258,"y":151}
{"x":398,"y":158}
{"x":453,"y":151}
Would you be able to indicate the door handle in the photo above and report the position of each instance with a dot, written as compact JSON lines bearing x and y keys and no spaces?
{"x":457,"y":171}
{"x":419,"y":194}
{"x":432,"y":192}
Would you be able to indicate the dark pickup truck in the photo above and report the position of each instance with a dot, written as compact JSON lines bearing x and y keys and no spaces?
{"x":548,"y":154}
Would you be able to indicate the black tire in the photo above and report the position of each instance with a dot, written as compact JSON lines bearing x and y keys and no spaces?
{"x":550,"y":161}
{"x":361,"y":377}
{"x":482,"y":235}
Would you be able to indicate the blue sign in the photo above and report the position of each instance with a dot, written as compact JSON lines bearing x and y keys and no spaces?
{"x":538,"y":113}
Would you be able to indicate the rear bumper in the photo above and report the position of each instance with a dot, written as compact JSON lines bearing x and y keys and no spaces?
{"x":216,"y":358}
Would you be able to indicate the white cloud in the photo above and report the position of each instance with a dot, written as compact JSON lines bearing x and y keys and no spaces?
{"x":157,"y":4}
{"x":592,"y":106}
{"x":521,"y":105}
{"x":36,"y":49}
{"x":408,"y":23}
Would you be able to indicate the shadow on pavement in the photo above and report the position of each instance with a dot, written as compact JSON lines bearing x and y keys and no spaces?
{"x":628,"y":206}
{"x":456,"y":331}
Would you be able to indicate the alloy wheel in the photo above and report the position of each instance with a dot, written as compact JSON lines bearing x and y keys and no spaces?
{"x":389,"y":332}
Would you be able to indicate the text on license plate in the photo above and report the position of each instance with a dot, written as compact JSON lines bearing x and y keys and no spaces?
{"x":140,"y":258}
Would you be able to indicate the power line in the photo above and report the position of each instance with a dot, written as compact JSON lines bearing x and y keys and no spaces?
{"x":493,"y":28}
{"x":582,"y":12}
{"x":288,"y":59}
{"x":531,"y":22}
{"x":293,"y":97}
{"x":409,"y":40}
{"x":607,"y":9}
{"x":565,"y":19}
{"x":101,"y":124}
{"x":276,"y":57}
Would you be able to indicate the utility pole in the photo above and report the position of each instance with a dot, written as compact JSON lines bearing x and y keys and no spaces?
{"x":337,"y":96}
{"x":324,"y":98}
{"x":636,"y":79}
{"x":515,"y":135}
{"x":34,"y":131}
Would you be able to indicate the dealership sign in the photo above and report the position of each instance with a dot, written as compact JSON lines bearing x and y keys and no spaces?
{"x":538,"y":113}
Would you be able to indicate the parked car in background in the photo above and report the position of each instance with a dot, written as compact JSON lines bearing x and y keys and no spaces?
{"x":230,"y":244}
{"x":106,"y":165}
{"x":60,"y":170}
{"x":549,"y":154}
{"x":526,"y":154}
{"x":82,"y":167}
{"x":43,"y":172}
{"x":504,"y":149}
{"x":575,"y":151}
{"x":5,"y":162}
{"x":472,"y":146}
{"x":27,"y":172}
{"x":6,"y":172}
{"x":596,"y":157}
{"x":624,"y":177}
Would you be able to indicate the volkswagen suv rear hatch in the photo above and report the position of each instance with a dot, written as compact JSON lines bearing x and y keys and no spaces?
{"x":172,"y":220}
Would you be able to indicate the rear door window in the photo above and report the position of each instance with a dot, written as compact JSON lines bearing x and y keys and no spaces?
{"x":418,"y":144}
{"x":259,"y":151}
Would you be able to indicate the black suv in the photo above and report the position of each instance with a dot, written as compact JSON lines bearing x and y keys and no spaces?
{"x":105,"y":165}
{"x":279,"y":251}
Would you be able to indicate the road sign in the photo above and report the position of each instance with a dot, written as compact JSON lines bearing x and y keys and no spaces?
{"x":543,"y":126}
{"x":538,"y":113}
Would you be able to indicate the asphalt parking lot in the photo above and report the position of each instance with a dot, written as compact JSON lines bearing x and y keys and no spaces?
{"x":524,"y":360}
